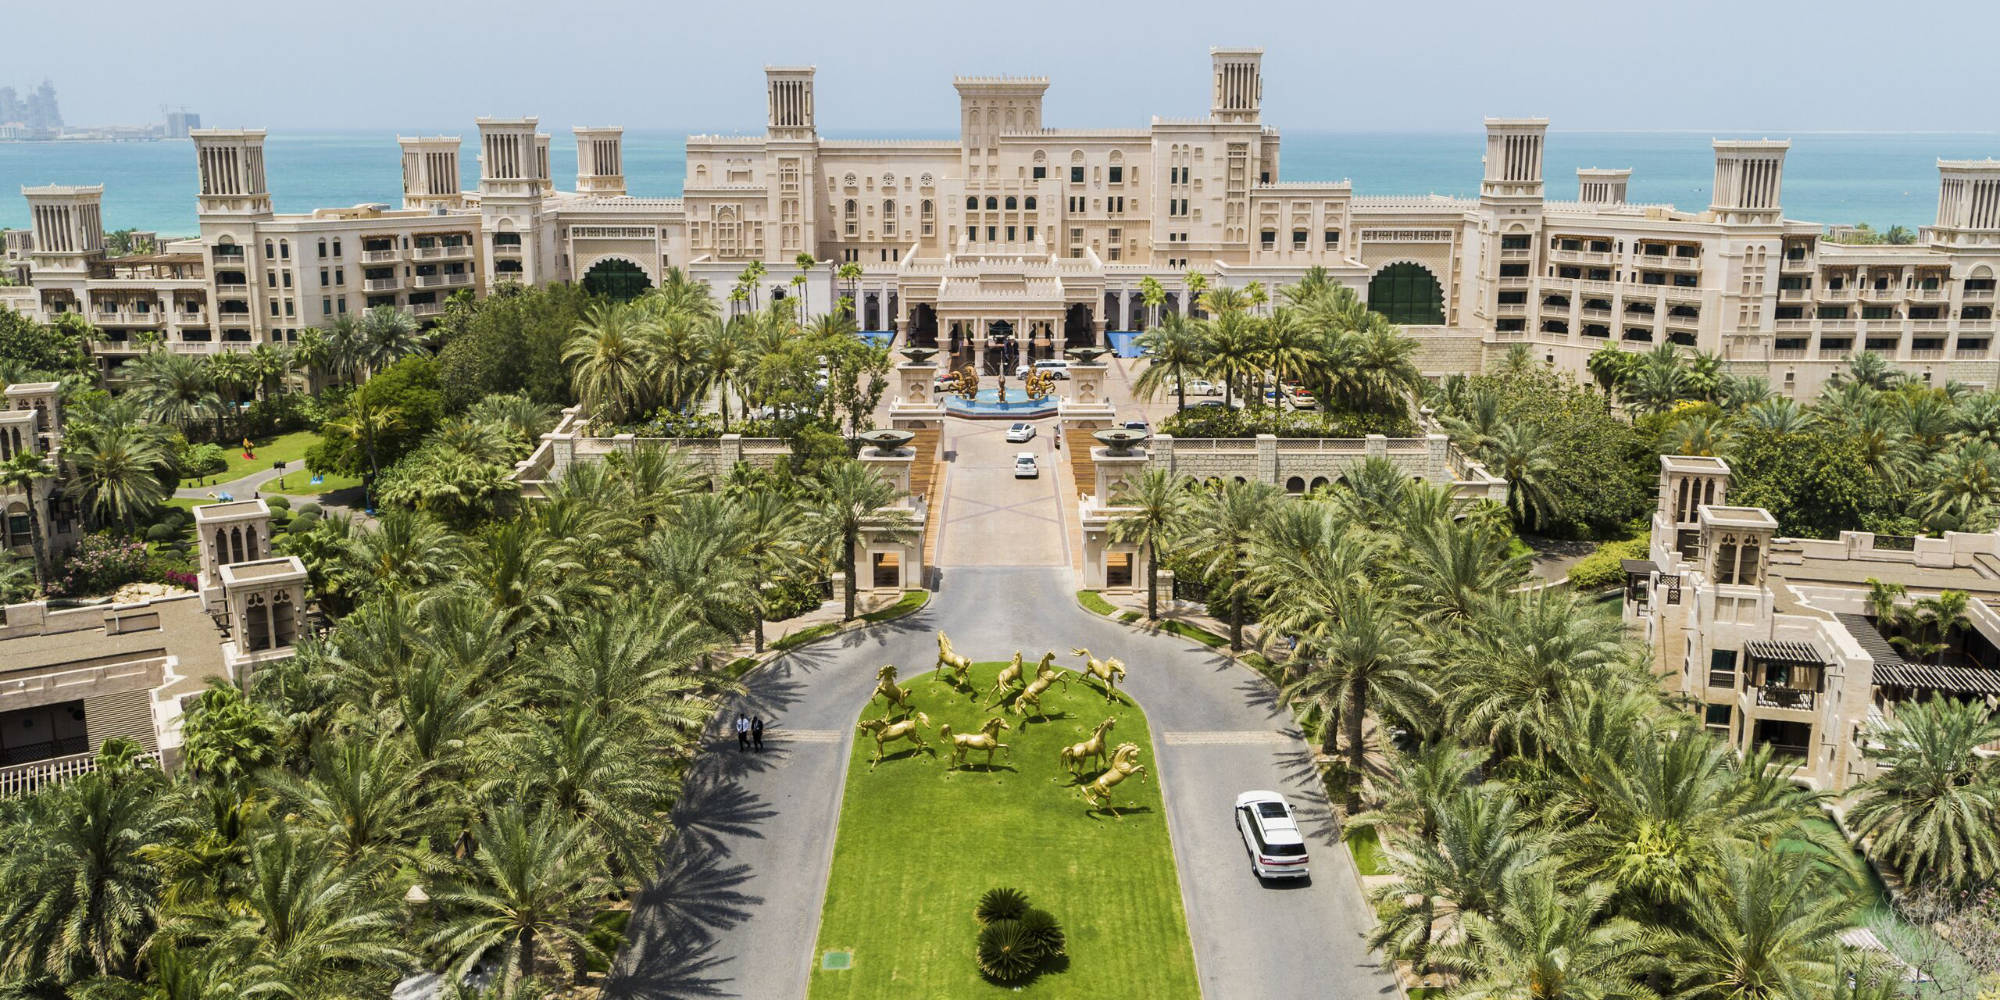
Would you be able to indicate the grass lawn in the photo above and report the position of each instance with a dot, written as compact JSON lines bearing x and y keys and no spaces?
{"x":283,"y":448}
{"x":1095,"y":603}
{"x":918,"y":844}
{"x":1367,"y":847}
{"x":299,"y":483}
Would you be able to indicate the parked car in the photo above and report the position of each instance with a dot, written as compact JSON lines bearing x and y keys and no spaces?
{"x":1137,"y":425}
{"x":1203,"y":387}
{"x":1059,"y":367}
{"x":1020,"y":433}
{"x":1207,"y":403}
{"x":1271,"y":835}
{"x":1303,"y":399}
{"x":1024,"y":466}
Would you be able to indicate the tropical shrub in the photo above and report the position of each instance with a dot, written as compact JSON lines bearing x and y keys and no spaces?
{"x":1602,"y":568}
{"x":1015,"y":939}
{"x":1225,"y":422}
{"x":102,"y":563}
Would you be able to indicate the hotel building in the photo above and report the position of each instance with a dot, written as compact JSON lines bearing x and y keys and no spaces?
{"x":1774,"y":640}
{"x":1024,"y":236}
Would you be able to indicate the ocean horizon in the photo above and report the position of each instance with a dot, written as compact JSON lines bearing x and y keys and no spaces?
{"x":1831,"y":177}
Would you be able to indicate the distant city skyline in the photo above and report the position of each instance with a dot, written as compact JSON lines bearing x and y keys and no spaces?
{"x":1837,"y":66}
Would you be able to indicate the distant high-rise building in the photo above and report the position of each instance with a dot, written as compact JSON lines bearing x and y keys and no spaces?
{"x":178,"y":123}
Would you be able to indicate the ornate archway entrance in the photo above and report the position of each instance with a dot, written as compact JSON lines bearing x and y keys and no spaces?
{"x":617,"y":279}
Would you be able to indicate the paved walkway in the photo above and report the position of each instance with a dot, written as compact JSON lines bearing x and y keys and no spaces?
{"x":736,"y":911}
{"x":240,"y":488}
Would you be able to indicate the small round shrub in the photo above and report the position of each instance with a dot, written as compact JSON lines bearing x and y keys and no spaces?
{"x":1001,"y":904}
{"x":1046,"y":931}
{"x":162,"y":532}
{"x":1006,"y":952}
{"x":307,"y":508}
{"x":278,"y":502}
{"x":303,"y":523}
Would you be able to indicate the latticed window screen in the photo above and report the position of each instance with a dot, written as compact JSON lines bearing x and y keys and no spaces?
{"x":1407,"y":293}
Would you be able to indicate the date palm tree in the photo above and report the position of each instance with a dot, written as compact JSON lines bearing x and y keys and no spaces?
{"x":365,"y":421}
{"x":1766,"y":930}
{"x":18,"y":474}
{"x":1460,"y":872}
{"x":1153,"y":296}
{"x":173,"y":389}
{"x":115,"y":474}
{"x":82,"y":888}
{"x":362,"y":799}
{"x":1933,"y":810}
{"x":1546,"y":944}
{"x":1222,"y":526}
{"x":845,"y":500}
{"x":532,"y":881}
{"x":773,"y":546}
{"x":1526,"y":459}
{"x":1231,"y":339}
{"x":850,"y":274}
{"x":1506,"y":677}
{"x":613,"y":363}
{"x":1151,"y":508}
{"x":1175,"y":350}
{"x":388,"y":335}
{"x":725,"y":356}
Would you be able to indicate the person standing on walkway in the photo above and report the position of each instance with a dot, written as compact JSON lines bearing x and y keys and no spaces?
{"x":757,"y":733}
{"x":742,"y":732}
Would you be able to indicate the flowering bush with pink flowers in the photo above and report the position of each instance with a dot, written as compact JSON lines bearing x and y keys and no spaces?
{"x":102,"y":563}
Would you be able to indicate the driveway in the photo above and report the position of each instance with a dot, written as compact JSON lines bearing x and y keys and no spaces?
{"x":736,"y":911}
{"x":991,"y":518}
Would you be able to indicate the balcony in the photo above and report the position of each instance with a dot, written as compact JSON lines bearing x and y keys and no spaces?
{"x":25,"y":779}
{"x":1515,"y":282}
{"x":1677,"y":293}
{"x":1891,"y":294}
{"x":381,"y":256}
{"x":444,"y":253}
{"x":1845,"y":294}
{"x":1792,"y":325}
{"x":1794,"y":265}
{"x":426,"y":308}
{"x":229,"y":285}
{"x":442,"y":280}
{"x":1603,"y":315}
{"x":382,"y":284}
{"x":1518,"y":253}
{"x":1975,"y":326}
{"x":1835,"y":353}
{"x":1579,"y":257}
{"x":1838,"y":325}
{"x":1788,"y":354}
{"x":1670,"y":262}
{"x":1786,"y":698}
{"x":1928,"y":354}
{"x":1601,"y":287}
{"x":1928,"y":295}
{"x":195,"y":347}
{"x":1930,"y":325}
{"x":1977,"y":295}
{"x":1971,"y":353}
{"x":507,"y":249}
{"x":197,"y":318}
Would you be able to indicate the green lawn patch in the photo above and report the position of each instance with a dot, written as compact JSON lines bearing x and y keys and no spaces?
{"x":1428,"y":992}
{"x":1367,"y":847}
{"x":911,"y":602}
{"x":806,"y":635}
{"x":283,"y":448}
{"x":918,"y":844}
{"x":1130,"y":617}
{"x":298,"y":482}
{"x":1095,"y":603}
{"x":1200,"y":635}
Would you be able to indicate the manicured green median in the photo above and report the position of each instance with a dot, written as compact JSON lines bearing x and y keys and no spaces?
{"x":918,"y":844}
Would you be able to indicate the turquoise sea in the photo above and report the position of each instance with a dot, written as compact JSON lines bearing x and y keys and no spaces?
{"x":1831,"y":177}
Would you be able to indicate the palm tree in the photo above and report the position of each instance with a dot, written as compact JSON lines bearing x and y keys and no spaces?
{"x":1461,"y":871}
{"x":1870,"y":369}
{"x":1611,"y":367}
{"x":232,"y":374}
{"x":725,"y":356}
{"x":612,"y":363}
{"x":596,"y":765}
{"x":388,"y":335}
{"x":116,"y":474}
{"x":851,"y":274}
{"x":1232,"y":347}
{"x":18,"y":578}
{"x":365,"y":421}
{"x":1175,"y":349}
{"x":1509,"y":674}
{"x":347,"y":346}
{"x":1767,"y":930}
{"x":1656,"y":386}
{"x":82,"y":886}
{"x":531,"y":882}
{"x":1545,"y":944}
{"x":1931,"y":622}
{"x":1360,"y":652}
{"x":846,"y":500}
{"x":804,"y":262}
{"x":1221,"y":528}
{"x":1153,"y":296}
{"x":174,"y":389}
{"x":1965,"y":484}
{"x":774,"y":546}
{"x":19,"y":474}
{"x":1151,"y":507}
{"x":1779,"y":415}
{"x":361,"y":798}
{"x":1194,"y":281}
{"x":1526,"y":459}
{"x":1933,"y":810}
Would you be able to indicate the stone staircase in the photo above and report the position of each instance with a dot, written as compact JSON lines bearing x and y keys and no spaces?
{"x":1077,"y":443}
{"x":927,"y":480}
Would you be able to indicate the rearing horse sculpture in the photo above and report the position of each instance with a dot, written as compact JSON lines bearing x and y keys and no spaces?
{"x":987,"y":739}
{"x":892,"y":694}
{"x":1031,"y":696}
{"x":1075,"y":754}
{"x":1009,"y":675}
{"x":961,"y":666}
{"x":887,"y":732}
{"x":1108,"y":672}
{"x":1124,"y":764}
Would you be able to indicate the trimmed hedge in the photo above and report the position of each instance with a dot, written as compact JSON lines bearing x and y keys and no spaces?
{"x":1601,"y":568}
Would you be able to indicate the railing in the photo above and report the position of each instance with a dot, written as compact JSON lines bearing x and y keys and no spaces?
{"x":1579,"y":257}
{"x":1975,"y":326}
{"x":512,"y":249}
{"x":1837,"y":325}
{"x":195,"y":346}
{"x":1930,"y":325}
{"x":1971,"y":353}
{"x":222,"y":285}
{"x":1837,"y":294}
{"x":1789,"y":751}
{"x":1669,"y":261}
{"x":1603,"y":314}
{"x":1722,"y":678}
{"x":1891,"y":294}
{"x":1792,"y":325}
{"x":1835,"y":353}
{"x":1519,"y":253}
{"x":1515,"y":282}
{"x":1794,"y":294}
{"x":381,"y":256}
{"x":443,"y":253}
{"x":1601,"y":287}
{"x":25,"y":779}
{"x":1927,"y":294}
{"x":1977,"y":295}
{"x":1778,"y":697}
{"x":1788,"y":354}
{"x":382,"y":284}
{"x":1928,"y":354}
{"x":426,"y":308}
{"x":442,"y":280}
{"x":1796,"y":264}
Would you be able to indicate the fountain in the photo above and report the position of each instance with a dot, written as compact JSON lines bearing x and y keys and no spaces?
{"x":887,"y":440}
{"x":919,"y":355}
{"x":1118,"y":440}
{"x":1087,"y":355}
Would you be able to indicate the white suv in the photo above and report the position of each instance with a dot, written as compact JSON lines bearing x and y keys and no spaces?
{"x":1271,"y":835}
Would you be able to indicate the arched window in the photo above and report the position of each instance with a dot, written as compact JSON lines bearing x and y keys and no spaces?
{"x":971,"y":203}
{"x":236,"y":545}
{"x":256,"y":623}
{"x":1011,"y":204}
{"x":1407,"y":293}
{"x":1295,"y":484}
{"x":250,"y":545}
{"x":992,"y":203}
{"x":221,"y":547}
{"x":1029,"y":204}
{"x":849,"y":207}
{"x":284,"y":622}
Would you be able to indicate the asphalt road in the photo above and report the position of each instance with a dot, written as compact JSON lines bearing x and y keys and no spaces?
{"x":737,"y":909}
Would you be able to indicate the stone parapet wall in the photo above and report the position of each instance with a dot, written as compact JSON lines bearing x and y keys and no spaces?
{"x":1301,"y":464}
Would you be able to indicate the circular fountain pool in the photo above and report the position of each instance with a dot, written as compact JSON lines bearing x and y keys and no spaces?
{"x":988,"y":406}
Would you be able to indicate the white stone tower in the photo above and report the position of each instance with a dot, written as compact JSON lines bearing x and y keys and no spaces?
{"x":600,"y":161}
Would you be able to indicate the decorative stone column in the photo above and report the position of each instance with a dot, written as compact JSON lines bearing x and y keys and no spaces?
{"x":917,"y":406}
{"x":1084,"y":406}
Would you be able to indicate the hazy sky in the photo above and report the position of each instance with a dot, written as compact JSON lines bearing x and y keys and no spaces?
{"x":1741,"y":66}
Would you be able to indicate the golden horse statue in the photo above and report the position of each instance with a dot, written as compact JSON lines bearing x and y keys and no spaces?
{"x":1075,"y":754}
{"x":1124,"y":764}
{"x":1009,"y":675}
{"x":886,"y":688}
{"x":1032,"y":694}
{"x":1108,"y":672}
{"x":987,"y":739}
{"x":1040,"y":384}
{"x":964,"y":383}
{"x":887,"y":732}
{"x":961,"y":666}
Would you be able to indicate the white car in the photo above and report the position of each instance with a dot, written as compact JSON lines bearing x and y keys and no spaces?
{"x":1271,"y":835}
{"x":1024,"y":466}
{"x":1203,"y":387}
{"x":1020,"y":433}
